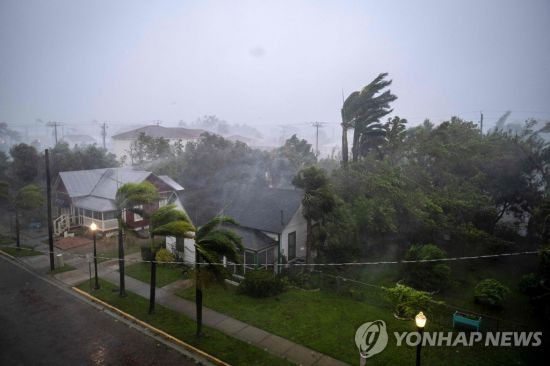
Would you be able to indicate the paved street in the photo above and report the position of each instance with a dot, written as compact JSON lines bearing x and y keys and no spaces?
{"x":41,"y":324}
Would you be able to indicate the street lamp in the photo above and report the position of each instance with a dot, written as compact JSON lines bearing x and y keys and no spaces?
{"x":93,"y":227}
{"x":420,"y":320}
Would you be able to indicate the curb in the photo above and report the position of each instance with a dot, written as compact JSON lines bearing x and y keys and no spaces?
{"x":159,"y":332}
{"x":7,"y":255}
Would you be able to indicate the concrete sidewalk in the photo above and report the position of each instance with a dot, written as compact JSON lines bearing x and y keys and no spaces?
{"x":274,"y":344}
{"x":165,"y":296}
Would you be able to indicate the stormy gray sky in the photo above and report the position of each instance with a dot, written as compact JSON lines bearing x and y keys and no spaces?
{"x":269,"y":62}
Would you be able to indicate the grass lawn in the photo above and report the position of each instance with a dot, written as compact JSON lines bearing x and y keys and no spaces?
{"x":5,"y":240}
{"x":214,"y":342}
{"x":130,"y":247}
{"x":65,"y":268}
{"x":327,"y":323}
{"x":165,"y":275}
{"x":25,"y":251}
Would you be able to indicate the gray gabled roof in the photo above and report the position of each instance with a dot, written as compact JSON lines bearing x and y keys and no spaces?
{"x":100,"y":182}
{"x":172,"y":183}
{"x":252,"y":239}
{"x":252,"y":206}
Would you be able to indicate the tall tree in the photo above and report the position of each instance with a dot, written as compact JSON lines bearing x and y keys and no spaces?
{"x":167,"y":221}
{"x":317,"y":202}
{"x":362,"y":111}
{"x":131,"y":197}
{"x":212,"y":243}
{"x":26,"y":198}
{"x":25,"y":163}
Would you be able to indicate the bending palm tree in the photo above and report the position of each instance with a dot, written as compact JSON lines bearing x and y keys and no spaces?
{"x":212,"y":243}
{"x":362,"y":111}
{"x":130,"y":197}
{"x":167,"y":221}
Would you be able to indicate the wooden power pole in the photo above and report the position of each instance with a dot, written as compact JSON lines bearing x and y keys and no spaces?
{"x":49,"y":199}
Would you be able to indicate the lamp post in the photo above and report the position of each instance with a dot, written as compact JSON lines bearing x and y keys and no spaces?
{"x":420,"y":320}
{"x":93,"y":227}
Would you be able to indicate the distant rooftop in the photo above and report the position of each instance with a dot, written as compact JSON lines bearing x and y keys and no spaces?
{"x":160,"y":131}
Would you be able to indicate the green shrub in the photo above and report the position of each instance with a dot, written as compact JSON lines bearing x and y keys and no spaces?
{"x":408,"y":301}
{"x":529,"y":284}
{"x":430,"y":275}
{"x":490,"y":292}
{"x":163,"y":255}
{"x":261,"y":283}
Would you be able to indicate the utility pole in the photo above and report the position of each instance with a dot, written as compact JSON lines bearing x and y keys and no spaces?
{"x":104,"y":133}
{"x":317,"y":125}
{"x":481,"y":123}
{"x":50,"y":226}
{"x":54,"y":125}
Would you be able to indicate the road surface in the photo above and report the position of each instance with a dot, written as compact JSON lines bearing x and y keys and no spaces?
{"x":40,"y":324}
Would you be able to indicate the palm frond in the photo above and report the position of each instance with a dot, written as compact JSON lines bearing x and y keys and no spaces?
{"x":181,"y":229}
{"x":167,"y":214}
{"x":212,"y":224}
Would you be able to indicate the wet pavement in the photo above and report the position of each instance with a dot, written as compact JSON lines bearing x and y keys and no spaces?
{"x":40,"y":324}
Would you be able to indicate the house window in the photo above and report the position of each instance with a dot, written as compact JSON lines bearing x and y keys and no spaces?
{"x":292,"y":245}
{"x":138,"y":217}
{"x":110,"y":215}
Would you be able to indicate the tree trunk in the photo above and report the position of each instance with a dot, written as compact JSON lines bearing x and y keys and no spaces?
{"x":344,"y":146}
{"x":153,"y":286}
{"x":198,"y":293}
{"x":355,"y":147}
{"x":308,"y":241}
{"x":122,"y":288}
{"x":17,"y":229}
{"x":153,"y":281}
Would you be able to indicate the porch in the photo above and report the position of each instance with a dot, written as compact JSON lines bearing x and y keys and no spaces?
{"x":80,"y":217}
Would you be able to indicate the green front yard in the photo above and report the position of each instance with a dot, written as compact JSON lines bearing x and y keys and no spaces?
{"x":165,"y":274}
{"x":25,"y":251}
{"x":327,"y":322}
{"x":214,"y":342}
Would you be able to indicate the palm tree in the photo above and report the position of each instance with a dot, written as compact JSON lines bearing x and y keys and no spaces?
{"x":130,"y":197}
{"x":167,"y":221}
{"x":362,"y":111}
{"x":212,"y":243}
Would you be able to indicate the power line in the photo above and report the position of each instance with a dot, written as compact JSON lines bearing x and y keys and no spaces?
{"x":451,"y":259}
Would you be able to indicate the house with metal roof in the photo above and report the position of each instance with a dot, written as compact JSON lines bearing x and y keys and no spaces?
{"x":85,"y":196}
{"x":270,"y":221}
{"x":123,"y":141}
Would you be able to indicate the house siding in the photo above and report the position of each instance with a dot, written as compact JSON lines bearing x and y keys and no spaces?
{"x":297,"y":224}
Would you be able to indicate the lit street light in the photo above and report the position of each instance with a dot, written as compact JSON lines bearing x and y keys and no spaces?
{"x":93,"y":227}
{"x":420,"y":320}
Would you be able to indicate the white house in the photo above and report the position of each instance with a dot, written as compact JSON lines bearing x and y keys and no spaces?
{"x":85,"y":196}
{"x":270,"y":222}
{"x":122,"y":141}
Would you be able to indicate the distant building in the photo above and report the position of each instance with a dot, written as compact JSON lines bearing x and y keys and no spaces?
{"x":122,"y":141}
